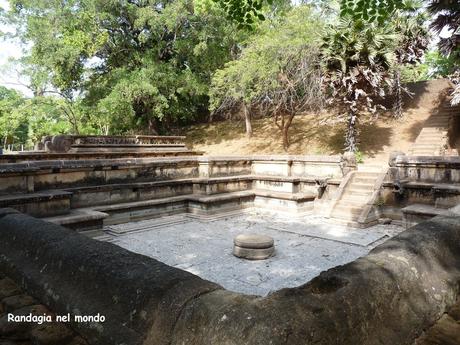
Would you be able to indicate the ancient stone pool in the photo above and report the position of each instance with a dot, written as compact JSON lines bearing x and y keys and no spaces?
{"x":304,"y":247}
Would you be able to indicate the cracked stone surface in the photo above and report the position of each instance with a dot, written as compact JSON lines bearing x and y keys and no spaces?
{"x":304,"y":247}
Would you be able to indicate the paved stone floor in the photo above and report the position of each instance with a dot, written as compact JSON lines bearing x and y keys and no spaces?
{"x":304,"y":247}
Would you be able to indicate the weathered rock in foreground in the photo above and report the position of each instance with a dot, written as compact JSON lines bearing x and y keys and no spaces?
{"x":388,"y":297}
{"x":25,"y":333}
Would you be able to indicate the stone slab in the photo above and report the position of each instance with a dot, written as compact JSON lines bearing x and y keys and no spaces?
{"x":205,"y":248}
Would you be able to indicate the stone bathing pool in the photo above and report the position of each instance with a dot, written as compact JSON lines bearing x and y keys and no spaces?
{"x":304,"y":246}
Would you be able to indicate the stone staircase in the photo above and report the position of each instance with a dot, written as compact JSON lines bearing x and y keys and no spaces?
{"x":433,"y":138}
{"x":357,"y":195}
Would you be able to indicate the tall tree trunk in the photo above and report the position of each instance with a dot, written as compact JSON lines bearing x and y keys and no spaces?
{"x":247,"y":119}
{"x":152,"y":127}
{"x":284,"y":127}
{"x":397,"y":106}
{"x":285,"y":138}
{"x":351,"y":136}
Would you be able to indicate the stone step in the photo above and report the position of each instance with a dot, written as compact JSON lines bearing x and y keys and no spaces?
{"x":416,"y":213}
{"x":370,"y":168}
{"x":437,"y":124}
{"x":434,"y":133}
{"x":364,"y":179}
{"x":359,"y":192}
{"x":443,"y":112}
{"x":347,"y":213}
{"x":367,"y":174}
{"x":361,"y":186}
{"x":439,"y":117}
{"x":440,"y":120}
{"x":430,"y":137}
{"x":432,"y":130}
{"x":421,"y":147}
{"x":440,"y":114}
{"x":431,"y":143}
{"x":425,"y":153}
{"x":145,"y":225}
{"x":449,"y":110}
{"x":434,"y":142}
{"x":426,"y":146}
{"x":352,"y":201}
{"x":356,"y":210}
{"x":81,"y":220}
{"x":362,"y":198}
{"x":439,"y":127}
{"x":300,"y":197}
{"x":41,"y":204}
{"x":431,"y":148}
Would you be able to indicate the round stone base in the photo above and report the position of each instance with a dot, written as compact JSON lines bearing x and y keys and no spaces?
{"x":253,"y":254}
{"x":253,"y":246}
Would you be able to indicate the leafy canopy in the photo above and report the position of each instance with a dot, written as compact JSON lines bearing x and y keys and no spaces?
{"x":278,"y":71}
{"x":147,"y":63}
{"x":257,"y":71}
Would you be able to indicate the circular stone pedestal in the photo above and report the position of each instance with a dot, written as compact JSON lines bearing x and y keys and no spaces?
{"x":253,"y":246}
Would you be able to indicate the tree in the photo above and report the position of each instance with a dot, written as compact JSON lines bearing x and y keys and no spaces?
{"x":370,"y":10}
{"x":278,"y":71}
{"x":45,"y":115}
{"x":11,"y":121}
{"x":358,"y":57}
{"x":248,"y":12}
{"x":410,"y":24}
{"x":447,"y":17}
{"x":148,"y":62}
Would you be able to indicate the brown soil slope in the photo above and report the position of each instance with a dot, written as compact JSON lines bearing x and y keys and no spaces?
{"x":323,"y":133}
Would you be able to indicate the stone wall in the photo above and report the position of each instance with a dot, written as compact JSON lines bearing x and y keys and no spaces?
{"x":431,"y":181}
{"x":51,"y":174}
{"x":53,"y":188}
{"x":387,"y":297}
{"x":101,"y":143}
{"x":434,"y":169}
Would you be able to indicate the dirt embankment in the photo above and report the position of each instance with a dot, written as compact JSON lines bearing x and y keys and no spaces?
{"x":324,"y":133}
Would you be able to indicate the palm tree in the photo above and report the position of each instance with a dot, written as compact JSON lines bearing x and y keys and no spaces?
{"x":410,"y":24}
{"x":447,"y":17}
{"x":358,"y":59}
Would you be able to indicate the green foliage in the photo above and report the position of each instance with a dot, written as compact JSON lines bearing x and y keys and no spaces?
{"x":278,"y":70}
{"x":244,"y":12}
{"x":370,"y":10}
{"x":248,"y":14}
{"x":257,"y":69}
{"x":140,"y":65}
{"x":415,"y":73}
{"x":358,"y":58}
{"x":441,"y":65}
{"x":143,"y":66}
{"x":44,"y":116}
{"x":359,"y":156}
{"x":11,"y":129}
{"x":27,"y":120}
{"x":446,"y":15}
{"x":411,"y":25}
